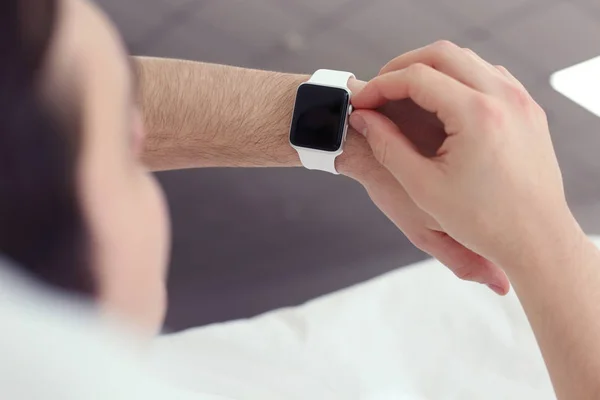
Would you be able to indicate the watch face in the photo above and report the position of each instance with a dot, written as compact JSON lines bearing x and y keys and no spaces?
{"x":319,"y":117}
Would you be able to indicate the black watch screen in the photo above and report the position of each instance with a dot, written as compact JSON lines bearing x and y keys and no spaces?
{"x":319,"y":117}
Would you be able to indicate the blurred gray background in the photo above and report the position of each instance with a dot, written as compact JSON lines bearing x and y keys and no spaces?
{"x":247,"y":241}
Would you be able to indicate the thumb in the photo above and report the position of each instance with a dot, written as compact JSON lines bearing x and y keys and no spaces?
{"x":392,"y":149}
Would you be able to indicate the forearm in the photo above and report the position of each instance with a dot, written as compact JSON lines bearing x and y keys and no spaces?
{"x":558,"y":283}
{"x":208,"y":115}
{"x":205,"y":115}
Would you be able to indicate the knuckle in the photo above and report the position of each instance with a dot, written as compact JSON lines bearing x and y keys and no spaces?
{"x":489,"y":111}
{"x":444,"y":45}
{"x":416,"y":74}
{"x":521,"y":101}
{"x":444,"y":50}
{"x":518,"y":96}
{"x":470,"y":52}
{"x":465,"y":273}
{"x":416,"y":70}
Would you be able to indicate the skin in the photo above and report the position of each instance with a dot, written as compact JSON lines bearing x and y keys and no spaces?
{"x":495,"y":187}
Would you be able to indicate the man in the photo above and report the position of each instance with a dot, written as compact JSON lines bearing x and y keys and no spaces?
{"x":488,"y":202}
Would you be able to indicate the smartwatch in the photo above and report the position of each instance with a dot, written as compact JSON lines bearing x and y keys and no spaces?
{"x":320,"y":119}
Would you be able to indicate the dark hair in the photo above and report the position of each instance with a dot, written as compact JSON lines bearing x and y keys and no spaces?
{"x":42,"y":227}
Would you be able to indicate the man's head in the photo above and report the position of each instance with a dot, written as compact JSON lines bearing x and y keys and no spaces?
{"x":77,"y":208}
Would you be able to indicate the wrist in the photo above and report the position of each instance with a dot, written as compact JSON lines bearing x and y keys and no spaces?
{"x":282,"y":153}
{"x":546,"y":246}
{"x":357,"y":161}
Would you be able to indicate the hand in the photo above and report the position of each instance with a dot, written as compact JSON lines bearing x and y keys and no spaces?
{"x":385,"y":191}
{"x":495,"y":181}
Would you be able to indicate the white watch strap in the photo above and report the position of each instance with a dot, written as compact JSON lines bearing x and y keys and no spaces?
{"x":331,"y":78}
{"x":322,"y":160}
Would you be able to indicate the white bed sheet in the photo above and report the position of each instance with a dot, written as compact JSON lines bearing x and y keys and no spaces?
{"x":415,"y":333}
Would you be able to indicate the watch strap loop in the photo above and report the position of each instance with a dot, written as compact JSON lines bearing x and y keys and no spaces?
{"x":317,"y":160}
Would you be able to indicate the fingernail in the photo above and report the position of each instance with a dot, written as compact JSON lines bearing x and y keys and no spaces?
{"x":355,"y":85}
{"x":495,"y":288}
{"x":358,"y":123}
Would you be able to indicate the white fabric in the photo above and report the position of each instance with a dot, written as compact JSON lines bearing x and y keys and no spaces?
{"x":415,"y":333}
{"x":56,"y":348}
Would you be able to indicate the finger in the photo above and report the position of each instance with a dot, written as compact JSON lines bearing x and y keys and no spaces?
{"x":506,"y":73}
{"x":355,"y":85}
{"x":483,"y":62}
{"x":428,"y":88}
{"x":466,"y":264}
{"x":498,"y":69}
{"x":393,"y":150}
{"x":451,"y":60}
